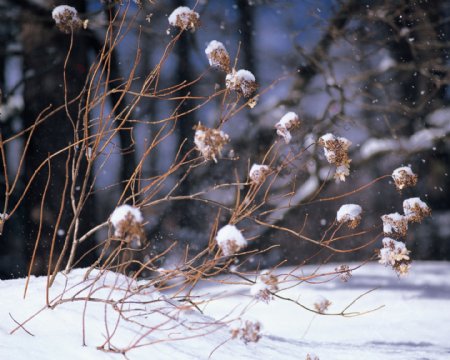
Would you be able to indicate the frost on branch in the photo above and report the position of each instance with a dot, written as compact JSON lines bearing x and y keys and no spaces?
{"x":127,"y":221}
{"x":242,"y":81}
{"x":230,"y":240}
{"x":286,"y":124}
{"x":395,"y":225}
{"x":415,"y":209}
{"x":250,"y":331}
{"x":404,"y":177}
{"x":395,"y":254}
{"x":258,"y":173}
{"x":218,"y":56}
{"x":209,"y":141}
{"x":184,"y":18}
{"x":264,"y":286}
{"x":336,"y":152}
{"x":66,"y":18}
{"x":350,"y":214}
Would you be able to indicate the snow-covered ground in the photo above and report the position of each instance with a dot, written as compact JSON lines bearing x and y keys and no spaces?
{"x":414,"y":322}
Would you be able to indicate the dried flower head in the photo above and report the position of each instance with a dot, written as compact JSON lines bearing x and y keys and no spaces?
{"x":336,"y":152}
{"x":312,"y":357}
{"x":264,"y":286}
{"x":218,"y":56}
{"x":321,"y":305}
{"x":258,"y":173}
{"x":230,"y":240}
{"x":344,"y":272}
{"x":250,"y":331}
{"x":242,"y":81}
{"x":415,"y":209}
{"x":209,"y":141}
{"x":287,"y":123}
{"x":349,"y":214}
{"x":127,"y":221}
{"x":184,"y":18}
{"x":66,"y":18}
{"x":404,"y":177}
{"x":395,"y":254}
{"x":395,"y":225}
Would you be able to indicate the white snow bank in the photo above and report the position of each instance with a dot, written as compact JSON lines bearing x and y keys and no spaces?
{"x":412,"y":324}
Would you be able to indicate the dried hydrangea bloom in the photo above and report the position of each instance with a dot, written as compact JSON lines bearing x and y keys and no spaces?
{"x":258,"y":173}
{"x":287,"y":123}
{"x":349,"y":214}
{"x":210,"y":141}
{"x":395,"y":225}
{"x":312,"y":357}
{"x":336,"y":152}
{"x":264,"y":286}
{"x":415,"y":209}
{"x":184,"y":18}
{"x":321,"y":305}
{"x":218,"y":56}
{"x":250,"y":331}
{"x":404,"y":177}
{"x":127,"y":221}
{"x":242,"y":81}
{"x":395,"y":254}
{"x":344,"y":272}
{"x":230,"y":240}
{"x":66,"y":18}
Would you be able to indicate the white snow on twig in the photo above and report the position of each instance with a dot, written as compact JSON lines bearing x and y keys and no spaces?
{"x":121,"y":212}
{"x":230,"y":240}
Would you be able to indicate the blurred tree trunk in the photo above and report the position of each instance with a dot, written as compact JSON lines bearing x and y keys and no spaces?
{"x":45,"y":49}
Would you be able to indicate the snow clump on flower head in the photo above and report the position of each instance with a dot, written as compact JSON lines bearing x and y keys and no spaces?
{"x":287,"y":123}
{"x":264,"y":286}
{"x":127,"y":221}
{"x":415,"y":209}
{"x":230,"y":240}
{"x":350,"y":214}
{"x":336,"y":152}
{"x":242,"y":81}
{"x":209,"y":141}
{"x":184,"y":18}
{"x":404,"y":177}
{"x":66,"y":18}
{"x":395,"y":225}
{"x":258,"y":173}
{"x":218,"y":56}
{"x":395,"y":254}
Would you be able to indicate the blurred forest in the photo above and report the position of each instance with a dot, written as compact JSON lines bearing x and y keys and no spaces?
{"x":375,"y":72}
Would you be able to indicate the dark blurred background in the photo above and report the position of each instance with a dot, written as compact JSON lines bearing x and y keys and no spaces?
{"x":375,"y":72}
